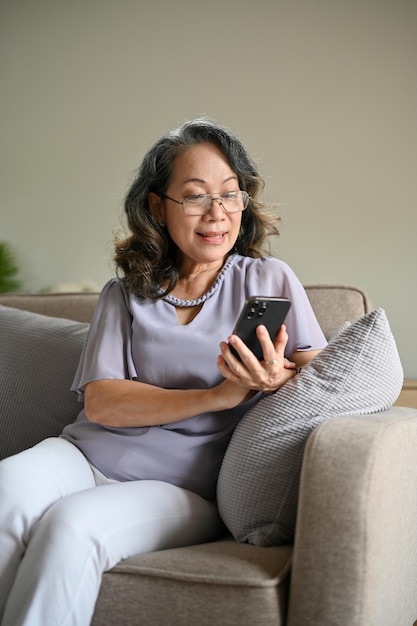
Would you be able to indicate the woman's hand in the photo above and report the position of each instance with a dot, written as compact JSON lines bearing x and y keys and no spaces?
{"x":128,"y":403}
{"x":267,"y":375}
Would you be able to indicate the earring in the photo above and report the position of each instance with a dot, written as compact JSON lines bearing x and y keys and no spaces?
{"x":162,"y":224}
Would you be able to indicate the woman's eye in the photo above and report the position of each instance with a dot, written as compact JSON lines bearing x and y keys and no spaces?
{"x":195,"y":198}
{"x":230,"y":195}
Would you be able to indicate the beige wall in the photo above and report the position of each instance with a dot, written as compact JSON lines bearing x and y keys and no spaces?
{"x":323,"y":93}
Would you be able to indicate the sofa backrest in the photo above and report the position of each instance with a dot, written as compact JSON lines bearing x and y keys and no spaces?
{"x":332,"y":304}
{"x":336,"y":304}
{"x":72,"y":306}
{"x":35,"y":350}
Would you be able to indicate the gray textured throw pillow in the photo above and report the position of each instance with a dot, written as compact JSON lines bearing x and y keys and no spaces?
{"x":359,"y":372}
{"x":38,"y":359}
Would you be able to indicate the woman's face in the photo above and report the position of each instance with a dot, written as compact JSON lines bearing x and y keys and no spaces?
{"x":201,"y":239}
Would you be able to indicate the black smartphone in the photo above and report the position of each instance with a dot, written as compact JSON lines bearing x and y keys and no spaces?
{"x":271,"y":312}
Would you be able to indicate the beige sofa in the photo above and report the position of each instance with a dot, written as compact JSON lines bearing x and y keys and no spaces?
{"x":354,"y":559}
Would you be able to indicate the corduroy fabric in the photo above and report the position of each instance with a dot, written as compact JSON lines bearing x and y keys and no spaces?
{"x":359,"y":372}
{"x":38,"y":358}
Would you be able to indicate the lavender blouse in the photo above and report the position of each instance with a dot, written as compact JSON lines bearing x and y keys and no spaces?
{"x":141,"y":339}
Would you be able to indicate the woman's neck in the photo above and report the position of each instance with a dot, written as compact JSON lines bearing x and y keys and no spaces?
{"x":196,"y":281}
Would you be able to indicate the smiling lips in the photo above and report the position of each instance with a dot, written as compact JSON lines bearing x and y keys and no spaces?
{"x":212,"y":237}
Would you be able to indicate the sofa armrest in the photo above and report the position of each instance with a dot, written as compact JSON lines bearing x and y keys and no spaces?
{"x":355,"y":552}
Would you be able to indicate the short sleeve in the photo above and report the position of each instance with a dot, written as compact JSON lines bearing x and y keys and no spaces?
{"x":107,"y":353}
{"x":276,"y":278}
{"x":302,"y":326}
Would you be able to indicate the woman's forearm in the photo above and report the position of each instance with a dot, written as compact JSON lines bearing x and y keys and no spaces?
{"x":302,"y":357}
{"x":127,"y":403}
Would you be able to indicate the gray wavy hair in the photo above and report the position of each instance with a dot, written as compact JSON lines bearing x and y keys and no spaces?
{"x":147,"y":258}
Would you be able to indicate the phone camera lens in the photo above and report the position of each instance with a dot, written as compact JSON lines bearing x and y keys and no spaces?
{"x":262,"y":309}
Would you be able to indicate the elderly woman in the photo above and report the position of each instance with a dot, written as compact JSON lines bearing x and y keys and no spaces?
{"x":161,"y":388}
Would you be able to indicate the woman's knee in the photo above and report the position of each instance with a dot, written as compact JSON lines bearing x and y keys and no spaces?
{"x":66,"y":536}
{"x":33,"y":480}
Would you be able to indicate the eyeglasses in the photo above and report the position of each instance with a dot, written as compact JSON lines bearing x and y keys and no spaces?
{"x":200,"y":204}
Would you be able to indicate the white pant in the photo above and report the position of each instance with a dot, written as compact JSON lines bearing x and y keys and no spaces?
{"x":59,"y":531}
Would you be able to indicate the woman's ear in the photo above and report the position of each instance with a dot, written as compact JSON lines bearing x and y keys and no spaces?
{"x":156,"y":207}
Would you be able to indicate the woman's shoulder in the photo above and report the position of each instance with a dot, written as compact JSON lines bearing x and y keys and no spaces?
{"x":266,"y":274}
{"x":114,"y":293}
{"x":263,"y":264}
{"x":113,"y":287}
{"x":112,"y":283}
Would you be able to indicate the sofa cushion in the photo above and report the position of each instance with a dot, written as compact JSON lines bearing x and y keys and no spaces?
{"x":359,"y":372}
{"x":38,"y":359}
{"x":222,"y":582}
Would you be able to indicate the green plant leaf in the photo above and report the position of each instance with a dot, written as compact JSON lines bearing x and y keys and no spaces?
{"x":8,"y":269}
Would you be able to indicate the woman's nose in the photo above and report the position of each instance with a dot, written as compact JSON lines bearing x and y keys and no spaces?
{"x":217,"y":211}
